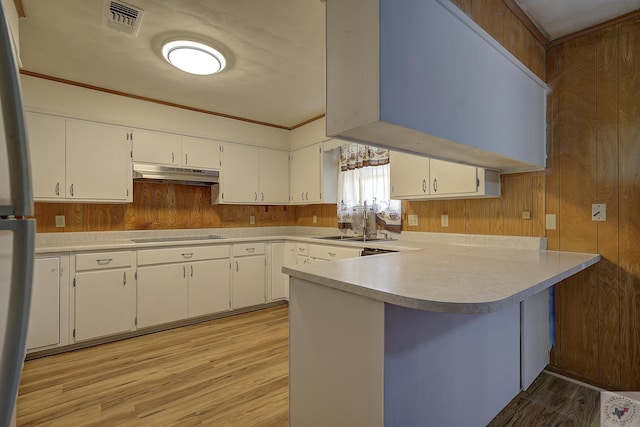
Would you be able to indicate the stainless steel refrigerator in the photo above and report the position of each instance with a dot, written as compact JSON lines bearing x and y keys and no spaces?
{"x":17,"y":234}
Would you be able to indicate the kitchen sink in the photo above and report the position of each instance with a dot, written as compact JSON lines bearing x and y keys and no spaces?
{"x":350,"y":238}
{"x":176,"y":239}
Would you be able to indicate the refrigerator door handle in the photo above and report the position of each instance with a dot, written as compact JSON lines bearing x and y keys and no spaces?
{"x":14,"y":128}
{"x":15,"y":336}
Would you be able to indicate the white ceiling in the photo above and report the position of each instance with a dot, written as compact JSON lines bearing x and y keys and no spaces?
{"x":277,"y":49}
{"x":557,"y":18}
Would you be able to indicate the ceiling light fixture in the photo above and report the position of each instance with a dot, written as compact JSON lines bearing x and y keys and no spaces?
{"x":194,"y":57}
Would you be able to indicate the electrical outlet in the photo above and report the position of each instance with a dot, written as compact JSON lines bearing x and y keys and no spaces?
{"x":550,"y":221}
{"x":252,"y":219}
{"x":315,"y":219}
{"x":413,"y":220}
{"x":599,"y":212}
{"x":526,"y":214}
{"x":59,"y":220}
{"x":444,"y":220}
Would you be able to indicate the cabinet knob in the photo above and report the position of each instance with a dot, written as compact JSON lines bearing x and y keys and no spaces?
{"x":262,"y":197}
{"x":255,"y":198}
{"x":57,"y":188}
{"x":71,"y":190}
{"x":435,"y":185}
{"x":424,"y":185}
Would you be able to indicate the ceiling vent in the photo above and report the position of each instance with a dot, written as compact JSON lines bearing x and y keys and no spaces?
{"x":122,"y":17}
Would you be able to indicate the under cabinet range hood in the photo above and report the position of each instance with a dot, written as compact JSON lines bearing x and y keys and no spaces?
{"x":156,"y":173}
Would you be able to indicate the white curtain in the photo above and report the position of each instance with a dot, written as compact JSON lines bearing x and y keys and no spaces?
{"x":357,"y":184}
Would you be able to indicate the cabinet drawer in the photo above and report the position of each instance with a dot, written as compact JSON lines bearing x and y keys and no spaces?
{"x":182,"y":254}
{"x":302,"y":249}
{"x":332,"y":252}
{"x":102,"y":260}
{"x":246,"y":249}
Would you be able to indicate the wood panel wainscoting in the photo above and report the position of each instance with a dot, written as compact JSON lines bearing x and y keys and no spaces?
{"x":226,"y":372}
{"x":170,"y":206}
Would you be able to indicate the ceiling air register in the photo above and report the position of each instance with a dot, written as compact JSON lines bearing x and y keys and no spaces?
{"x":122,"y":17}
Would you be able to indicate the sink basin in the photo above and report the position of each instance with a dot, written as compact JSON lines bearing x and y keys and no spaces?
{"x":349,"y":238}
{"x":176,"y":239}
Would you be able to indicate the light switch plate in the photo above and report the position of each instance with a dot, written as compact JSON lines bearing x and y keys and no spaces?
{"x":59,"y":220}
{"x":413,"y":220}
{"x":444,"y":220}
{"x":315,"y":219}
{"x":599,"y":212}
{"x":252,"y":219}
{"x":550,"y":221}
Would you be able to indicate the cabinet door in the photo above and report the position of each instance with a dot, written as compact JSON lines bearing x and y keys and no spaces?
{"x":248,"y":281}
{"x":239,"y":174}
{"x":155,"y":147}
{"x":162,"y":294}
{"x":306,"y":177}
{"x":97,"y":159}
{"x":44,"y":317}
{"x":452,"y":178}
{"x":274,"y":176}
{"x":47,"y":150}
{"x":200,"y":153}
{"x":409,"y":175}
{"x":208,"y":289}
{"x":103,"y":303}
{"x":282,"y":255}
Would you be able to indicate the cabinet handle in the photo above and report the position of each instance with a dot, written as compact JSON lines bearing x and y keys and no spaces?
{"x":186,"y":158}
{"x":250,"y":250}
{"x":302,"y":196}
{"x":173,"y":158}
{"x":237,"y":267}
{"x":307,"y":194}
{"x":192,"y":270}
{"x":104,"y":261}
{"x":124,"y":279}
{"x":332,"y":254}
{"x":424,"y":185}
{"x":435,"y":185}
{"x":255,"y":198}
{"x":184,"y":271}
{"x":188,"y":255}
{"x":71,"y":190}
{"x":57,"y":189}
{"x":262,"y":198}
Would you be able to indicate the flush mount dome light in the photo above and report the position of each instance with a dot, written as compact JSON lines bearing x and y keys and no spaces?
{"x":193,"y":57}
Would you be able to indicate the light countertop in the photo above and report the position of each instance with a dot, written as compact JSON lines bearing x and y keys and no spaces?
{"x":449,"y":278}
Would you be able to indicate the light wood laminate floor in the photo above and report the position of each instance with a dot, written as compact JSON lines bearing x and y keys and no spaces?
{"x":226,"y":372}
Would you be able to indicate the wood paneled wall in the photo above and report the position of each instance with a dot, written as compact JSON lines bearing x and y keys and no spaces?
{"x":169,"y":206}
{"x":523,"y":192}
{"x":594,"y":157}
{"x":497,"y":19}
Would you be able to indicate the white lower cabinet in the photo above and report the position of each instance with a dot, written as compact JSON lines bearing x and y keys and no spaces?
{"x":249,"y":275}
{"x":104,"y":294}
{"x":282,"y":255}
{"x":47,"y":305}
{"x":321,"y":253}
{"x":183,"y":282}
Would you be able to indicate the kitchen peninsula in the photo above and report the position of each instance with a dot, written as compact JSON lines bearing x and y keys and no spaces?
{"x":446,"y":335}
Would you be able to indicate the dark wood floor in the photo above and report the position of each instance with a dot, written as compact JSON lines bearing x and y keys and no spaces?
{"x":231,"y":371}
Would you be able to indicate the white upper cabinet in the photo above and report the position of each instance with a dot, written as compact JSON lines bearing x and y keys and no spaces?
{"x":47,"y":150}
{"x":314,"y":175}
{"x":169,"y":149}
{"x":419,"y":75}
{"x":274,"y":176}
{"x":252,"y":175}
{"x":418,"y":177}
{"x":98,"y":165}
{"x":155,"y":147}
{"x":200,"y":153}
{"x":74,"y":160}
